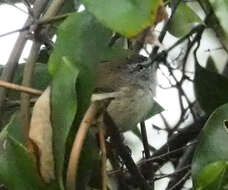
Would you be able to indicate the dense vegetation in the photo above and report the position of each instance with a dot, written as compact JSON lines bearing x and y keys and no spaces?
{"x":47,"y":110}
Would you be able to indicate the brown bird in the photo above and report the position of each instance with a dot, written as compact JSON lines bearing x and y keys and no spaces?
{"x":132,"y":85}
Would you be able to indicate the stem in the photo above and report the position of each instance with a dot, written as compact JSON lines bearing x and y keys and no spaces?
{"x":165,"y":28}
{"x":27,"y":81}
{"x":9,"y":70}
{"x":123,"y":151}
{"x":145,"y":140}
{"x":88,"y":119}
{"x":29,"y":68}
{"x":42,"y":21}
{"x":20,"y":88}
{"x":103,"y":158}
{"x":53,"y":9}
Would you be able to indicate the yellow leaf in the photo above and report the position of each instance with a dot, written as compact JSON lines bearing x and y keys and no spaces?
{"x":41,"y":135}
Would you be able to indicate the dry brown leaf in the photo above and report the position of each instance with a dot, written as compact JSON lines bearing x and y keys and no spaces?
{"x":41,"y":135}
{"x":148,"y":36}
{"x":161,"y":14}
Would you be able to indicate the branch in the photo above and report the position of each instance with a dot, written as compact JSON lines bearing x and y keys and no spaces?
{"x":184,"y":178}
{"x":20,"y":88}
{"x":30,"y":67}
{"x":176,"y":172}
{"x":145,"y":140}
{"x":15,"y":103}
{"x":8,"y":71}
{"x":183,"y":162}
{"x":165,"y":28}
{"x":123,"y":151}
{"x":103,"y":157}
{"x":117,"y":171}
{"x":27,"y":81}
{"x":94,"y":109}
{"x":150,"y":174}
{"x":39,"y":23}
{"x":175,"y":142}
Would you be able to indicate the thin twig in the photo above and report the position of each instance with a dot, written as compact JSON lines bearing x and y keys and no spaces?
{"x":163,"y":55}
{"x":185,"y":177}
{"x":41,"y":22}
{"x":197,"y":29}
{"x":27,"y":81}
{"x":165,"y":27}
{"x":184,"y":161}
{"x":176,"y":172}
{"x":15,"y":103}
{"x":30,"y":67}
{"x":164,"y":156}
{"x":145,"y":140}
{"x":167,"y":154}
{"x":123,"y":151}
{"x":15,"y":6}
{"x":103,"y":158}
{"x":148,"y":175}
{"x":14,"y":31}
{"x":176,"y":141}
{"x":93,"y":110}
{"x":53,"y":8}
{"x":20,"y":88}
{"x":9,"y":70}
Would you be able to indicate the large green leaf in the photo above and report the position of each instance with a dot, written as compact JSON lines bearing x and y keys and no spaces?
{"x":211,"y":89}
{"x":220,"y":8}
{"x":157,"y":108}
{"x":64,"y":107}
{"x":183,"y":20}
{"x":80,"y":44}
{"x":15,"y":128}
{"x":211,"y":177}
{"x":18,"y":169}
{"x":82,"y":39}
{"x":128,"y":17}
{"x":211,"y":149}
{"x":211,"y":66}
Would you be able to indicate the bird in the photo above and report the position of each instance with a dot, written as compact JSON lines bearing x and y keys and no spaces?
{"x":132,"y":85}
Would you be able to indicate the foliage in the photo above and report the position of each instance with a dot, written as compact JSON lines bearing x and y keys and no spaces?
{"x":209,"y":164}
{"x":68,"y":76}
{"x":183,"y":20}
{"x":213,"y":93}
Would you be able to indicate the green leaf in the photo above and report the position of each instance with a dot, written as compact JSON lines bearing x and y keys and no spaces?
{"x":129,"y":17}
{"x":15,"y":128}
{"x":210,"y":66}
{"x":183,"y":20}
{"x":68,"y":6}
{"x":212,"y":148}
{"x":82,"y":39}
{"x":157,"y":108}
{"x":18,"y":169}
{"x":64,"y":107}
{"x":211,"y":89}
{"x":220,"y":8}
{"x":211,"y":175}
{"x":80,"y":44}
